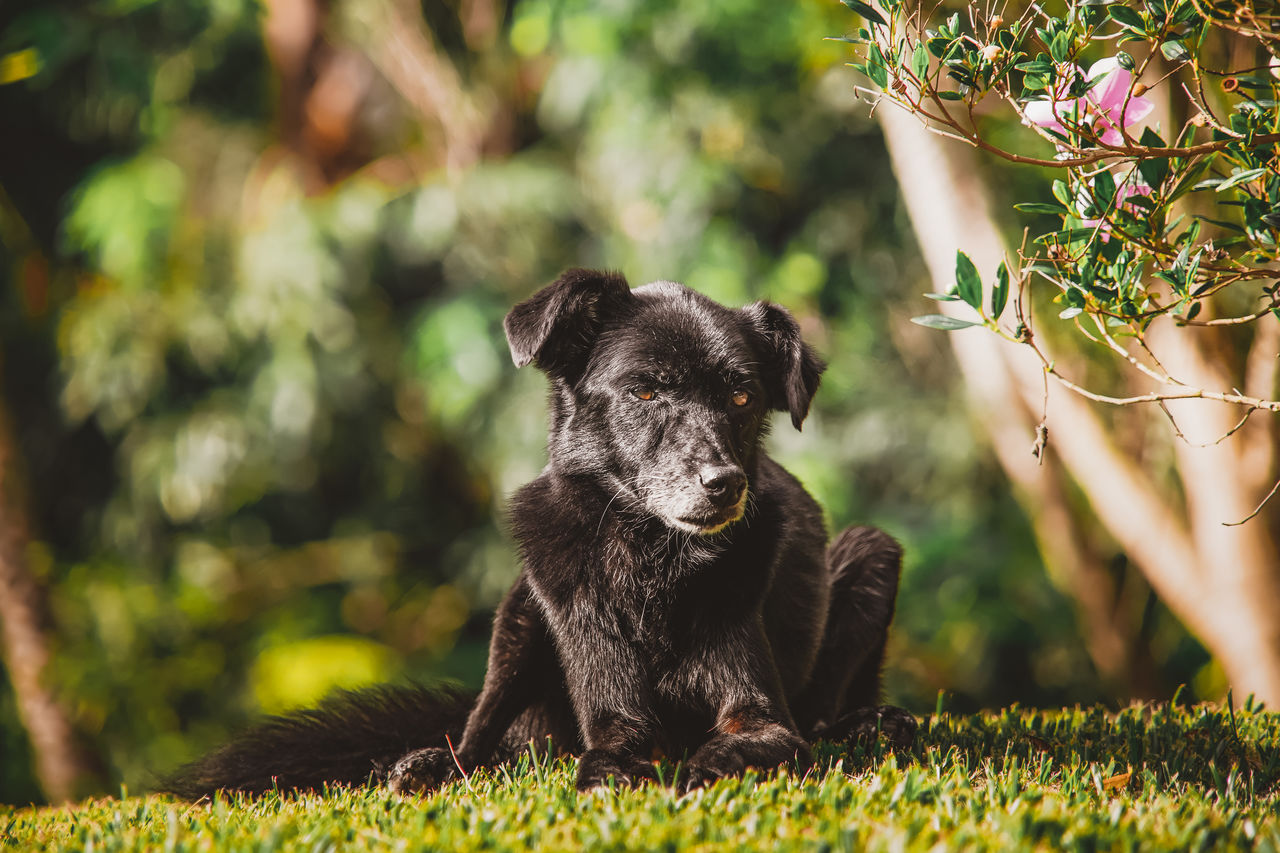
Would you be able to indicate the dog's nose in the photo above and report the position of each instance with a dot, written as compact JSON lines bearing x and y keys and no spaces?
{"x":723,"y":483}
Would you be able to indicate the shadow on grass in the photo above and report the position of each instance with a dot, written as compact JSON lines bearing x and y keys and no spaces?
{"x":1166,"y":746}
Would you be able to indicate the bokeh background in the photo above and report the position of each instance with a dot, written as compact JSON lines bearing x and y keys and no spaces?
{"x":261,"y":420}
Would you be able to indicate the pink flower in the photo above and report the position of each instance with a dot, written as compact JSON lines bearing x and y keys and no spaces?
{"x":1103,"y":106}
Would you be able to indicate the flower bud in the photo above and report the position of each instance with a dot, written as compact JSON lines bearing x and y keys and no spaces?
{"x":1139,"y":90}
{"x":996,"y":22}
{"x":992,"y":53}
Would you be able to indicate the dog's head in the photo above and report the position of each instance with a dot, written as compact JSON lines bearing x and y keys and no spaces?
{"x":661,"y":394}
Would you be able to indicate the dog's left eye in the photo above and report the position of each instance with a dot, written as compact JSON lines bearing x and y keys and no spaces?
{"x":741,"y":398}
{"x":645,"y":394}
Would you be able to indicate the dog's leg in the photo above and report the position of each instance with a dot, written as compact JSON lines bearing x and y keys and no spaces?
{"x":842,"y":698}
{"x":736,"y":674}
{"x":609,"y":685}
{"x":522,"y":667}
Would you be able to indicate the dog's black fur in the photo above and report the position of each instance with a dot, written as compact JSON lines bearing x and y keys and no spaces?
{"x":674,"y":594}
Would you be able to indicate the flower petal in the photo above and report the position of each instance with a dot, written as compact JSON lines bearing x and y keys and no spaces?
{"x":1136,"y":110}
{"x":1114,"y":84}
{"x":1049,"y":114}
{"x":1110,"y":136}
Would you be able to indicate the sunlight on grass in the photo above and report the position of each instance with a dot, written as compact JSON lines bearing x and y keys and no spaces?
{"x":1150,"y":778}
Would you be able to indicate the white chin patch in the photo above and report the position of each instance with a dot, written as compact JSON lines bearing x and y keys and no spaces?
{"x":689,"y":527}
{"x":708,"y":530}
{"x":686,"y":526}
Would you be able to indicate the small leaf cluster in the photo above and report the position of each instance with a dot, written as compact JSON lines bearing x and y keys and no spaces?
{"x":968,"y":289}
{"x":1138,"y":220}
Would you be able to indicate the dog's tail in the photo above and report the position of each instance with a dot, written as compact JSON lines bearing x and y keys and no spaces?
{"x":352,"y":737}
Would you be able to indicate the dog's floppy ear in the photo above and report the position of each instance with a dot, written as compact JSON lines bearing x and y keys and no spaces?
{"x":791,"y":370}
{"x":557,"y":326}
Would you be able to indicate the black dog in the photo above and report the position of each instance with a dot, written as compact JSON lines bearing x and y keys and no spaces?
{"x":674,"y":595}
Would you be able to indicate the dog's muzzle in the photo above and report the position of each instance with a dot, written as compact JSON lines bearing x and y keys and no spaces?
{"x":720,"y":500}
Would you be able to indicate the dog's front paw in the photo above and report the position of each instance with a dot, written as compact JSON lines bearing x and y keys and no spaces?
{"x":708,"y":765}
{"x":422,"y":770}
{"x":723,"y":756}
{"x":597,"y":765}
{"x":893,"y":724}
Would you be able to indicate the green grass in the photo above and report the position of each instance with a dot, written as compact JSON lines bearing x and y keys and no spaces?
{"x":1148,"y":778}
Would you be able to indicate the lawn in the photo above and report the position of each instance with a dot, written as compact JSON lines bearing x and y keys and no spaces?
{"x":1148,"y":777}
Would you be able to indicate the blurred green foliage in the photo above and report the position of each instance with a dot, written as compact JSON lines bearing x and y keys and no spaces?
{"x":269,"y":424}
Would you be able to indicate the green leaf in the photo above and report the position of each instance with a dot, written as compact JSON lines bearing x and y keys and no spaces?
{"x":1175,"y":51}
{"x":968,"y":284}
{"x":876,"y":69}
{"x":1126,"y":17}
{"x":1104,"y":189}
{"x":1036,"y":66}
{"x":1060,"y":47}
{"x":1153,"y":169}
{"x":1000,"y":293}
{"x":949,"y":95}
{"x":866,"y":11}
{"x":920,"y":61}
{"x":1222,"y":223}
{"x":1035,"y":207}
{"x":1063,"y":194}
{"x":1188,"y":182}
{"x":1240,"y":178}
{"x":1048,"y":272}
{"x":941,"y":321}
{"x":1067,"y":235}
{"x":1194,"y":266}
{"x":1068,"y":313}
{"x":942,"y":297}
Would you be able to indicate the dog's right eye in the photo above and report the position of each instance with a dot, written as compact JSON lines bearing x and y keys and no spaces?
{"x":645,"y":394}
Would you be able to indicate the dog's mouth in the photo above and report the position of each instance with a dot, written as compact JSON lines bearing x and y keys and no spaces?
{"x":712,"y":523}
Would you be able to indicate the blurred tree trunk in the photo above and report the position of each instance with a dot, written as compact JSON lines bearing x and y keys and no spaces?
{"x":61,"y":765}
{"x":1222,"y":581}
{"x":328,"y":93}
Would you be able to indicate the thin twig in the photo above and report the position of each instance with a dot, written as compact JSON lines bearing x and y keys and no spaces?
{"x":1153,"y":397}
{"x":1161,"y":376}
{"x":1236,"y":321}
{"x":1271,"y":494}
{"x":1178,"y":432}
